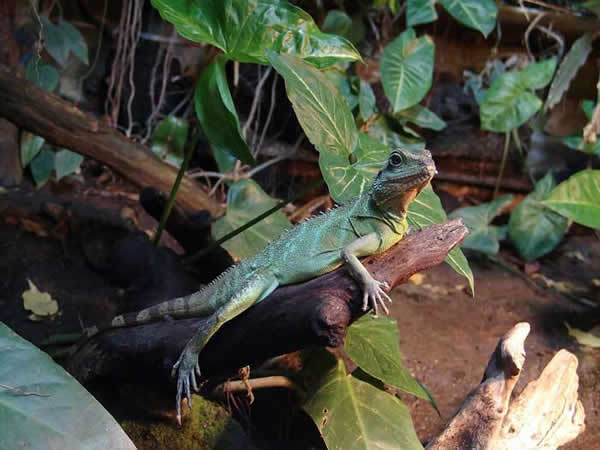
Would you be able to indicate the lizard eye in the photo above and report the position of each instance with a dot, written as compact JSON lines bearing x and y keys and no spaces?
{"x":396,"y":159}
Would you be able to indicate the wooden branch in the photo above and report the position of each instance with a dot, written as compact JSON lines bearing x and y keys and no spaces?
{"x":64,"y":125}
{"x":314,"y":313}
{"x":546,"y":415}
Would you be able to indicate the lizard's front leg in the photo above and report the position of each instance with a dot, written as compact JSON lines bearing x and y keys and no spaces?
{"x":373,"y":290}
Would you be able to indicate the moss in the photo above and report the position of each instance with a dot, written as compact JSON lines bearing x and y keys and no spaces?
{"x":206,"y":426}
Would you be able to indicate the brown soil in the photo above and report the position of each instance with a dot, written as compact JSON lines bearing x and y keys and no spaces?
{"x":447,"y":336}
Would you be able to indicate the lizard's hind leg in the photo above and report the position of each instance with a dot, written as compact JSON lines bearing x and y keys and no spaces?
{"x":255,"y":288}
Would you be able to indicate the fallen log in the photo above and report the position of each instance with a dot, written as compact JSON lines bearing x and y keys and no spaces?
{"x":65,"y":125}
{"x":313,"y":313}
{"x":546,"y":415}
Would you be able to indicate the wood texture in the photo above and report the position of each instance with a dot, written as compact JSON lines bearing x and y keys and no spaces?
{"x":65,"y":125}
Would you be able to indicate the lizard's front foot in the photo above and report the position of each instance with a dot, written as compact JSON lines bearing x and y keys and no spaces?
{"x":373,"y":293}
{"x":186,"y":367}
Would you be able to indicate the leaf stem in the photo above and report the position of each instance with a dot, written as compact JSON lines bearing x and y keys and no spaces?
{"x":171,"y":201}
{"x":254,"y":221}
{"x":502,"y":163}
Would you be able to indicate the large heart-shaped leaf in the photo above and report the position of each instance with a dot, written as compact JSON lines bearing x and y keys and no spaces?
{"x":245,"y":201}
{"x":168,"y":139}
{"x":352,"y":414}
{"x":323,"y":114}
{"x":482,"y":236}
{"x":347,"y":180}
{"x":509,"y":102}
{"x":426,"y":210}
{"x":407,"y":69}
{"x":477,"y":14}
{"x":568,"y":68}
{"x":534,"y":228}
{"x":217,"y":114}
{"x":420,"y":11}
{"x":372,"y":343}
{"x":578,"y":198}
{"x":42,"y":406}
{"x":243,"y":29}
{"x":75,"y":41}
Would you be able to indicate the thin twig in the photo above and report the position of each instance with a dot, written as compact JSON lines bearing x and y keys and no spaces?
{"x":269,"y":115}
{"x":256,"y":100}
{"x":277,"y":381}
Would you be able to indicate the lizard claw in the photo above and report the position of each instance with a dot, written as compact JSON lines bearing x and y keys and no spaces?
{"x":374,"y":294}
{"x":186,"y":368}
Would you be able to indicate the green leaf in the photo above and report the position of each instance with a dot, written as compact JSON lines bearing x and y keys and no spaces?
{"x":42,"y":166}
{"x":217,"y":114}
{"x":337,"y":22}
{"x":245,"y":201}
{"x":575,"y":141}
{"x":426,"y":210}
{"x":372,"y":343}
{"x":508,"y":103}
{"x":352,"y":414}
{"x":341,"y":81}
{"x":244,"y":29}
{"x":54,"y":41}
{"x":422,"y":117}
{"x":30,"y":147}
{"x":366,"y":100}
{"x":588,"y":108}
{"x":57,"y":413}
{"x":578,"y":198}
{"x":382,"y":130}
{"x":477,"y":14}
{"x":347,"y":180}
{"x":420,"y":11}
{"x":482,"y":236}
{"x":323,"y":114}
{"x":534,"y":228}
{"x":74,"y":41}
{"x":407,"y":69}
{"x":42,"y":74}
{"x":573,"y":60}
{"x":168,"y":139}
{"x":66,"y":162}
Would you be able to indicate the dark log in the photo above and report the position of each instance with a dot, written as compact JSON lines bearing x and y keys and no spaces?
{"x":64,"y":125}
{"x":314,"y":313}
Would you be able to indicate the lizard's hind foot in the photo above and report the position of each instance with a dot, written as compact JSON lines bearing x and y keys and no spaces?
{"x":186,"y":368}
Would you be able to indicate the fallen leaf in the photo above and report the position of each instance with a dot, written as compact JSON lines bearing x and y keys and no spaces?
{"x":417,"y":279}
{"x":41,"y":304}
{"x":34,"y":227}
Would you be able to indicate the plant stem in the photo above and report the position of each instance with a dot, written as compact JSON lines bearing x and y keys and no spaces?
{"x":171,"y":201}
{"x":248,"y":224}
{"x":502,"y":163}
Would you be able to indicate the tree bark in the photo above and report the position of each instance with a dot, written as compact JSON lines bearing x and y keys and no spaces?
{"x":65,"y":125}
{"x":313,"y":313}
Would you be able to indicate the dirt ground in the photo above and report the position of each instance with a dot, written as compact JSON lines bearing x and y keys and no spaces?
{"x":446,"y":335}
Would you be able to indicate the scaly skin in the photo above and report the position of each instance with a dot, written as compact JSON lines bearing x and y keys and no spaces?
{"x":370,"y":224}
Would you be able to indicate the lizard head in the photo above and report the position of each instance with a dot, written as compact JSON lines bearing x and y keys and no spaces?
{"x":401,"y":179}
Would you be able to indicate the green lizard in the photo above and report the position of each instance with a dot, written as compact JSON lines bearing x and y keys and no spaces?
{"x":369,"y":224}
